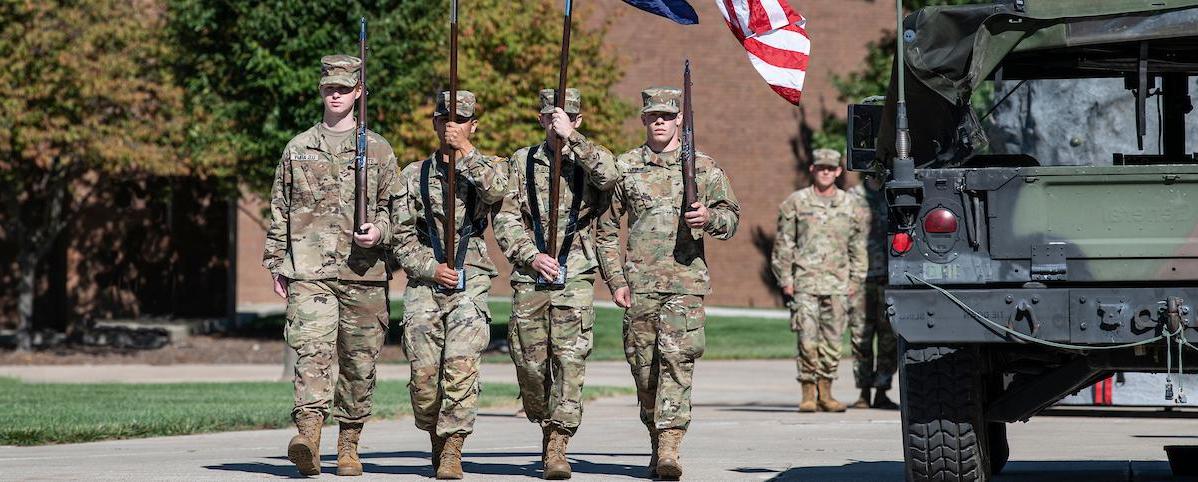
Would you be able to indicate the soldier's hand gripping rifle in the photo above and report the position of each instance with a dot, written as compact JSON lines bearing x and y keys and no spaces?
{"x":450,"y":188}
{"x":556,"y":144}
{"x":689,"y":192}
{"x":360,"y":158}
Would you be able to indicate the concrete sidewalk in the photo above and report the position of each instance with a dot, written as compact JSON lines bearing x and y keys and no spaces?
{"x":745,"y":428}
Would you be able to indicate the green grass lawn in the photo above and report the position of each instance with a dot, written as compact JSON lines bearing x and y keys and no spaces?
{"x":728,"y":338}
{"x":47,"y":413}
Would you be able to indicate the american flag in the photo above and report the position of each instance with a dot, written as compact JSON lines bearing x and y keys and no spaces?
{"x":773,"y":34}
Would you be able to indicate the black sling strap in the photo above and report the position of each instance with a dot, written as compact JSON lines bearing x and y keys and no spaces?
{"x":534,"y":208}
{"x":465,"y":232}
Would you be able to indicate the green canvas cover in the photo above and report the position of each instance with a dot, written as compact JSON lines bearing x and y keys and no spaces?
{"x":952,"y":50}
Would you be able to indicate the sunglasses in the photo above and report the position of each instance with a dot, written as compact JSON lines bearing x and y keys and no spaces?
{"x":665,"y":116}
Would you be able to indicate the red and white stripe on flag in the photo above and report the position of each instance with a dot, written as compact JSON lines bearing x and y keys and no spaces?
{"x":774,"y":36}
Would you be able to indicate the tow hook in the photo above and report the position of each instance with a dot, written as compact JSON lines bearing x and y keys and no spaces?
{"x":1173,"y":307}
{"x":1026,"y":308}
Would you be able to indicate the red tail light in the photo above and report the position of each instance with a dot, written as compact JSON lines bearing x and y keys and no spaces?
{"x":940,"y":221}
{"x":901,"y":243}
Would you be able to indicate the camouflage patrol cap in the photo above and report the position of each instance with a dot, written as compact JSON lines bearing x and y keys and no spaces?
{"x":826,"y":157}
{"x":573,"y":104}
{"x":466,"y":102}
{"x":339,"y":70}
{"x":661,"y":99}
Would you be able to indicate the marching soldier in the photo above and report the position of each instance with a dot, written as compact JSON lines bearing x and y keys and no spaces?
{"x":873,"y":369}
{"x":446,"y":328}
{"x":663,"y":283}
{"x":550,"y":332}
{"x":819,"y":256}
{"x":332,"y":277}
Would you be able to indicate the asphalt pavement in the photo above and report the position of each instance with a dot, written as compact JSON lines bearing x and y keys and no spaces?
{"x":745,"y":428}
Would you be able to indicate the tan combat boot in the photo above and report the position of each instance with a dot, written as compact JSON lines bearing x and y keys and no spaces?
{"x":863,"y":400}
{"x":826,"y":402}
{"x":451,"y":457}
{"x":653,"y":438}
{"x":808,"y":402}
{"x":347,"y":449}
{"x":667,"y":454}
{"x":556,"y":465}
{"x":438,"y":443}
{"x":304,"y":448}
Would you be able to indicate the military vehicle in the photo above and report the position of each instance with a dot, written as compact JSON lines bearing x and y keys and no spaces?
{"x":1016,"y":280}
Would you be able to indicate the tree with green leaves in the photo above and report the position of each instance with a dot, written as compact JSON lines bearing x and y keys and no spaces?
{"x":256,"y":65}
{"x":88,"y":97}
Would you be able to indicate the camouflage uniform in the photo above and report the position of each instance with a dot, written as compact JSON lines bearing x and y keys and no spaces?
{"x":867,"y":312}
{"x":665,"y":268}
{"x":446,"y":332}
{"x":820,"y":251}
{"x":336,"y":301}
{"x":550,"y":333}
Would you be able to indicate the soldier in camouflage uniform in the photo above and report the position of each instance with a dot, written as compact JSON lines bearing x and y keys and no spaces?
{"x":550,"y":332}
{"x":867,"y":314}
{"x":665,"y":276}
{"x":819,"y":258}
{"x":446,"y":330}
{"x":333,"y":278}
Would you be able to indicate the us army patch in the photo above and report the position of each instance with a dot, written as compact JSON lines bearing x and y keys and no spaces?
{"x":304,"y":157}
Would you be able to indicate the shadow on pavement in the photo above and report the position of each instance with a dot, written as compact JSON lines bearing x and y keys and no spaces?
{"x":1038,"y":471}
{"x":580,"y":462}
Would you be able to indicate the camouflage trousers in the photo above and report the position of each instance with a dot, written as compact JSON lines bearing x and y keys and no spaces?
{"x":550,"y":336}
{"x":444,"y":336}
{"x":341,"y":319}
{"x":663,"y":336}
{"x":872,"y":369}
{"x":819,"y":321}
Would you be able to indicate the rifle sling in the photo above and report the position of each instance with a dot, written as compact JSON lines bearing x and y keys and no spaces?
{"x":534,"y":208}
{"x":471,"y":225}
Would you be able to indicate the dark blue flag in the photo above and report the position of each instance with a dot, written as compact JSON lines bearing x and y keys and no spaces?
{"x":676,"y":10}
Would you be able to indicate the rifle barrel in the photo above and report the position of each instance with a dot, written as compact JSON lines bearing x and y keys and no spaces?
{"x":689,"y":193}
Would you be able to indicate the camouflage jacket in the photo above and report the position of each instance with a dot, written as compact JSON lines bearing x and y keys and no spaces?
{"x":662,"y":255}
{"x":820,"y":247}
{"x":312,"y":208}
{"x":513,"y":222}
{"x":413,"y":249}
{"x":875,"y":201}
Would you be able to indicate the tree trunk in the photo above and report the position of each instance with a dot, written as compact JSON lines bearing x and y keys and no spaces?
{"x":26,"y":289}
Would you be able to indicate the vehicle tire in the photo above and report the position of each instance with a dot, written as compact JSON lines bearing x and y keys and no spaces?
{"x":944,"y":435}
{"x":1000,"y":451}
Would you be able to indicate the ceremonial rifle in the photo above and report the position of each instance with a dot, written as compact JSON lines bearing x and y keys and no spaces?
{"x":689,"y":191}
{"x":360,"y":160}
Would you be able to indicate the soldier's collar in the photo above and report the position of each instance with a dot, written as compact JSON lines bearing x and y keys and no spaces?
{"x":544,"y":150}
{"x":664,"y":158}
{"x":836,"y":198}
{"x":320,"y":143}
{"x":442,"y":169}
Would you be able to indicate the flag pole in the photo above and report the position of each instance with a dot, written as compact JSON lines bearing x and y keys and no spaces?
{"x":555,"y":143}
{"x":449,"y":191}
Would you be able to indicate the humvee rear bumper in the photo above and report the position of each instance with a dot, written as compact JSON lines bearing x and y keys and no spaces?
{"x":1081,"y":316}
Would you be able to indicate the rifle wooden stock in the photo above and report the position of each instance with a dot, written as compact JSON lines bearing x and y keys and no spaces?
{"x":556,"y":143}
{"x":689,"y":192}
{"x":360,"y":171}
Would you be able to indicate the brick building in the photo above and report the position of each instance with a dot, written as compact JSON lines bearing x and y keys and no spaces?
{"x":758,"y":138}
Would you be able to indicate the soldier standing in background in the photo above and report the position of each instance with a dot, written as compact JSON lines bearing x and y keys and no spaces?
{"x":446,"y":330}
{"x":333,"y":278}
{"x":550,"y":333}
{"x":873,"y":368}
{"x":665,"y":278}
{"x":820,"y":259}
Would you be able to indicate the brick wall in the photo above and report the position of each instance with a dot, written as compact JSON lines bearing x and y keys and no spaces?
{"x":757,"y":137}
